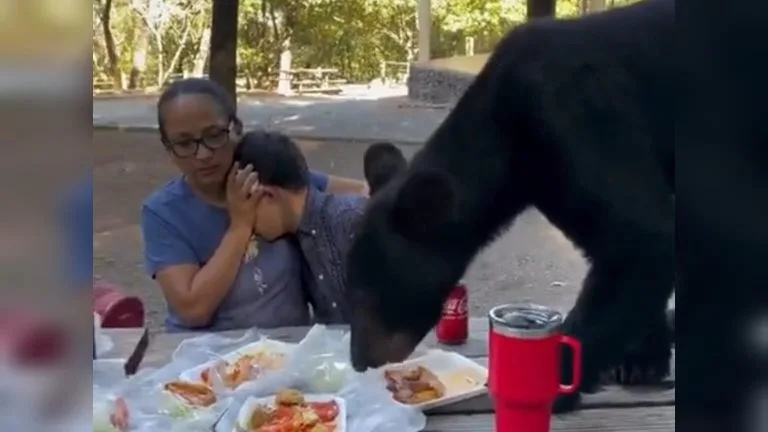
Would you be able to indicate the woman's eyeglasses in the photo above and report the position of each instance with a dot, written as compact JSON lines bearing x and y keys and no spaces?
{"x":212,"y":140}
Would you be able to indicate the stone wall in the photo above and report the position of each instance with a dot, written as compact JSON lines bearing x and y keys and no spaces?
{"x":437,"y":85}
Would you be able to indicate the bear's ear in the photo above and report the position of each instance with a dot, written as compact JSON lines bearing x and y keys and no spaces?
{"x":424,"y":203}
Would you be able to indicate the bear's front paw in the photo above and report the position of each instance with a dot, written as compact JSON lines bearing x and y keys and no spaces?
{"x":647,"y":363}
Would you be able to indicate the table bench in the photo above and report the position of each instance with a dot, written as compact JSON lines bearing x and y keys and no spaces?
{"x":613,"y":409}
{"x":317,"y":80}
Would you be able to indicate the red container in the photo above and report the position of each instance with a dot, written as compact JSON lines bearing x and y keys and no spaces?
{"x":116,"y":309}
{"x":453,"y":328}
{"x":524,"y":366}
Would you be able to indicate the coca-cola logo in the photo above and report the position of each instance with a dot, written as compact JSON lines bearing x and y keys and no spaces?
{"x":456,"y":306}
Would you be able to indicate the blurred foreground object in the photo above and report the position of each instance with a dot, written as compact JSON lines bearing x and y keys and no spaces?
{"x":30,"y":339}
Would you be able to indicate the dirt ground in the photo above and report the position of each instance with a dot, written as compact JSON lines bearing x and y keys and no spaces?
{"x":532,"y":262}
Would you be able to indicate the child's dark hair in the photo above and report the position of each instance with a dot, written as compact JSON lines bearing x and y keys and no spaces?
{"x":198,"y":86}
{"x":276,"y":158}
{"x":382,"y":161}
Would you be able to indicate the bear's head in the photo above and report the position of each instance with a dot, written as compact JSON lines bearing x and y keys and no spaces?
{"x":402,"y":264}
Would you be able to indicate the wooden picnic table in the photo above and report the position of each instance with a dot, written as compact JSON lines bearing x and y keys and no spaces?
{"x":613,"y":409}
{"x":315,"y":80}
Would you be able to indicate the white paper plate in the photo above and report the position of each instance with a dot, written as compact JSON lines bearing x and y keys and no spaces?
{"x":193,"y":374}
{"x":244,"y":415}
{"x":463,"y":378}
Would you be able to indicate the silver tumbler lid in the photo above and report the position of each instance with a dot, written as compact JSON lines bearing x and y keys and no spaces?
{"x":525,"y":321}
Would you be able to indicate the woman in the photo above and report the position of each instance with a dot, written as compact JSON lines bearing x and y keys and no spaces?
{"x":197,"y":228}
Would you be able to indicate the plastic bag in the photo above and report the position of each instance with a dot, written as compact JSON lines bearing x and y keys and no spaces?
{"x":108,"y":379}
{"x":211,"y":350}
{"x":371,"y":408}
{"x":320,"y":364}
{"x":150,"y":408}
{"x":103,"y":342}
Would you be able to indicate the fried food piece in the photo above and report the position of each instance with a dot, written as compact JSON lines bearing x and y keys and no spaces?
{"x":289,"y":397}
{"x":267,"y":360}
{"x":195,"y":394}
{"x":422,"y":396}
{"x":120,"y":418}
{"x":414,"y":386}
{"x":232,"y":374}
{"x":260,"y":417}
{"x":322,"y":427}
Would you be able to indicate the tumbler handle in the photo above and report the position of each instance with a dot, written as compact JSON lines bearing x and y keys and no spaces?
{"x":575,"y":346}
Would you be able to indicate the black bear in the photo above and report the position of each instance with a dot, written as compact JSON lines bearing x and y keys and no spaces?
{"x":575,"y":118}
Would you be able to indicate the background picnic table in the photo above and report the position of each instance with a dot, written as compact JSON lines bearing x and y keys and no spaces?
{"x":613,"y":409}
{"x":313,"y":80}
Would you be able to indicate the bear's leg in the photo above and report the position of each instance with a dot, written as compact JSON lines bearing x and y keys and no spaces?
{"x":646,"y":362}
{"x":621,"y":300}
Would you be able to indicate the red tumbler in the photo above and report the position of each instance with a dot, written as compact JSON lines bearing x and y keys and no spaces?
{"x":524,"y":365}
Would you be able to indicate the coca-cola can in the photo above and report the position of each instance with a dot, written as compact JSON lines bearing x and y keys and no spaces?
{"x":453,"y":327}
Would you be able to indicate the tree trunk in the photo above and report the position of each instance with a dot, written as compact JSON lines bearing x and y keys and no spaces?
{"x":141,"y":47}
{"x":176,"y":56}
{"x":424,"y":26}
{"x":160,"y":59}
{"x":540,"y":8}
{"x":202,"y":53}
{"x":223,"y":62}
{"x":109,"y":42}
{"x":284,"y":77}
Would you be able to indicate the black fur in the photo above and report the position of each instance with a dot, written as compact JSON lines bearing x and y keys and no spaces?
{"x":381,"y":162}
{"x":575,"y":118}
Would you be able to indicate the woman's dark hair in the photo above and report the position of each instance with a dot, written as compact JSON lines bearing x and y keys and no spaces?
{"x":276,"y":158}
{"x":198,"y":86}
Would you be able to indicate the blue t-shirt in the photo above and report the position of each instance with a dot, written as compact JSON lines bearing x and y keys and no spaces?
{"x":180,"y":228}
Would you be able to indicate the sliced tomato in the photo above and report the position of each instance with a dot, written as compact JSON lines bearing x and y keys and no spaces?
{"x":283,"y":413}
{"x":277,"y":427}
{"x":327,"y":411}
{"x":284,"y":424}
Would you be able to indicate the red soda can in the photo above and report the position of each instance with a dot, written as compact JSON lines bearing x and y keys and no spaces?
{"x":453,"y":328}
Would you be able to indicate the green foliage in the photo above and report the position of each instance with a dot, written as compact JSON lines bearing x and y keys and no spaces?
{"x":353,"y":36}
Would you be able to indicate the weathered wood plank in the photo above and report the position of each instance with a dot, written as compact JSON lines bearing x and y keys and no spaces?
{"x":660,"y":419}
{"x":611,"y":396}
{"x":608,"y":397}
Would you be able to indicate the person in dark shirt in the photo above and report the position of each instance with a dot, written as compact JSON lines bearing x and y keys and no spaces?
{"x":321,"y":223}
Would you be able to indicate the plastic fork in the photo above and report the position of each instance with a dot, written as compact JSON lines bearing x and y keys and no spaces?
{"x":218,"y":419}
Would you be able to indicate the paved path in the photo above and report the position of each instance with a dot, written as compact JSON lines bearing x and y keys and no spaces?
{"x":394,"y":119}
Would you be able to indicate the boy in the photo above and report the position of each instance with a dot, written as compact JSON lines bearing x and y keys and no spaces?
{"x":321,"y":223}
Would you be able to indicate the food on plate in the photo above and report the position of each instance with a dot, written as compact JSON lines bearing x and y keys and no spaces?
{"x":176,"y":407}
{"x":231,"y":374}
{"x":292,"y":413}
{"x":120,"y":417}
{"x":414,"y":385}
{"x":246,"y":367}
{"x":195,"y":394}
{"x":289,"y":397}
{"x":118,"y":414}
